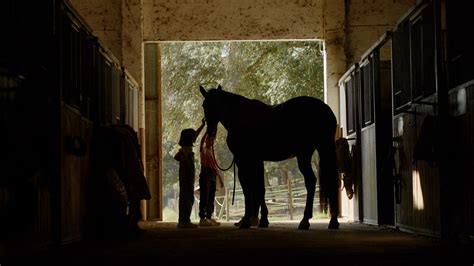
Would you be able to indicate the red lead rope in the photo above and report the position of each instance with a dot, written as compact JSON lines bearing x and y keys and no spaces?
{"x":222,"y":169}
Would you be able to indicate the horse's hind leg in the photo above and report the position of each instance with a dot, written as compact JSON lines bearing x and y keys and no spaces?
{"x":328,"y":169}
{"x":304,"y":164}
{"x":260,"y":192}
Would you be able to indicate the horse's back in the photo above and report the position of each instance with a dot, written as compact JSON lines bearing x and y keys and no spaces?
{"x":305,"y":103}
{"x":305,"y":111}
{"x":285,"y":130}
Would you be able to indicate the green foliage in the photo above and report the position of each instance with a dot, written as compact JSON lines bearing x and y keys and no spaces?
{"x":272,"y":72}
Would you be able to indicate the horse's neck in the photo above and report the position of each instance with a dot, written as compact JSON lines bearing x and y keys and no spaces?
{"x":241,"y":111}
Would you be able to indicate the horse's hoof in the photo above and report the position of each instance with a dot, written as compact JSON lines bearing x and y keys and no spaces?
{"x":304,"y":225}
{"x":244,"y":224}
{"x":254,"y":221}
{"x":237,"y":224}
{"x":248,"y":222}
{"x":333,"y":224}
{"x":263,"y":223}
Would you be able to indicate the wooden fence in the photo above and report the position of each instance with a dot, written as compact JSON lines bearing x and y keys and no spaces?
{"x":284,"y":202}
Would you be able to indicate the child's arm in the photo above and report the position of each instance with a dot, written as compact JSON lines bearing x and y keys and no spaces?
{"x":198,"y":131}
{"x":203,"y":139}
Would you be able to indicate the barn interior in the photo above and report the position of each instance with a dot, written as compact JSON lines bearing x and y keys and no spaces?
{"x":398,"y":76}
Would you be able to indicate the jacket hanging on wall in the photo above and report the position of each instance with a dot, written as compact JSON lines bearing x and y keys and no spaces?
{"x":117,"y":147}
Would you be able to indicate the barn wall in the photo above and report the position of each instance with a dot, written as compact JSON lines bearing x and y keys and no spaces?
{"x":132,"y":38}
{"x":467,"y":133}
{"x":348,"y":27}
{"x":132,"y":55}
{"x":75,"y":169}
{"x":370,"y":200}
{"x":460,"y":181}
{"x":419,"y":208}
{"x":352,"y":209}
{"x":334,"y":30}
{"x":118,"y":25}
{"x":347,"y":205}
{"x":194,"y":20}
{"x":105,"y":19}
{"x":383,"y":138}
{"x":369,"y":175}
{"x":367,"y":21}
{"x":154,"y":131}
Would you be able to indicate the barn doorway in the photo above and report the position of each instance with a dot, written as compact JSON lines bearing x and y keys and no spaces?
{"x":270,"y":71}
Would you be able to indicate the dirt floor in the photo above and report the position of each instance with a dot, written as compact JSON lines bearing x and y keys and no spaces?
{"x":280,"y":244}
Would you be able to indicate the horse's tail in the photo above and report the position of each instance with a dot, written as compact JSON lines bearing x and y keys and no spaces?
{"x":328,"y":179}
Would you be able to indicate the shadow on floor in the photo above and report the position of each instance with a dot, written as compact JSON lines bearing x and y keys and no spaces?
{"x":280,"y":244}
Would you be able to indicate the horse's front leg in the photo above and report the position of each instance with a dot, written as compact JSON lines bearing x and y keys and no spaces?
{"x":304,"y":164}
{"x":245,"y":183}
{"x":263,"y":223}
{"x":246,"y":222}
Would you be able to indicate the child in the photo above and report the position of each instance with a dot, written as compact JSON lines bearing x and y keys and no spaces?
{"x":185,"y":156}
{"x":207,"y":182}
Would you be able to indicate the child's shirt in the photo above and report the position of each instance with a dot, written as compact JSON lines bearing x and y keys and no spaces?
{"x":185,"y":156}
{"x":208,"y":160}
{"x":207,"y":157}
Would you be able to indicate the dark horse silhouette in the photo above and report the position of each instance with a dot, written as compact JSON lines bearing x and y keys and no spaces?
{"x":258,"y":132}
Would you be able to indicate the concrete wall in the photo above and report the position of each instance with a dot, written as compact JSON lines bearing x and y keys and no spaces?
{"x":105,"y":19}
{"x":334,"y":36}
{"x":367,"y":20}
{"x":132,"y":38}
{"x":118,"y":25}
{"x":349,"y":27}
{"x":191,"y":20}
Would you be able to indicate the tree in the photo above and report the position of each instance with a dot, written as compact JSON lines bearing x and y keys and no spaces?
{"x":272,"y":72}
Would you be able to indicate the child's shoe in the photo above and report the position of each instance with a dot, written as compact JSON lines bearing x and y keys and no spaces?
{"x":213,"y":222}
{"x":205,"y":222}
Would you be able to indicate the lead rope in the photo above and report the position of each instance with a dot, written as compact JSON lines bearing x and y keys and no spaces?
{"x":222,"y":169}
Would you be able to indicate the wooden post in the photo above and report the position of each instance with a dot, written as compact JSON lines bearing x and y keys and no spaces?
{"x":227,"y":209}
{"x":196,"y":207}
{"x":141,"y":135}
{"x":290,"y":198}
{"x":175,"y":206}
{"x":153,"y":132}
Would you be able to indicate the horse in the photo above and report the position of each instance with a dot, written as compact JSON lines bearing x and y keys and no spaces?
{"x":259,"y":132}
{"x":345,"y":166}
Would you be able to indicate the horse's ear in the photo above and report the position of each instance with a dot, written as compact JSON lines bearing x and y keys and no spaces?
{"x":219,"y":87}
{"x":203,"y":91}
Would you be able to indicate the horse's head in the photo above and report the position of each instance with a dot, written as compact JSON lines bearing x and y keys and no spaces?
{"x":213,"y":107}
